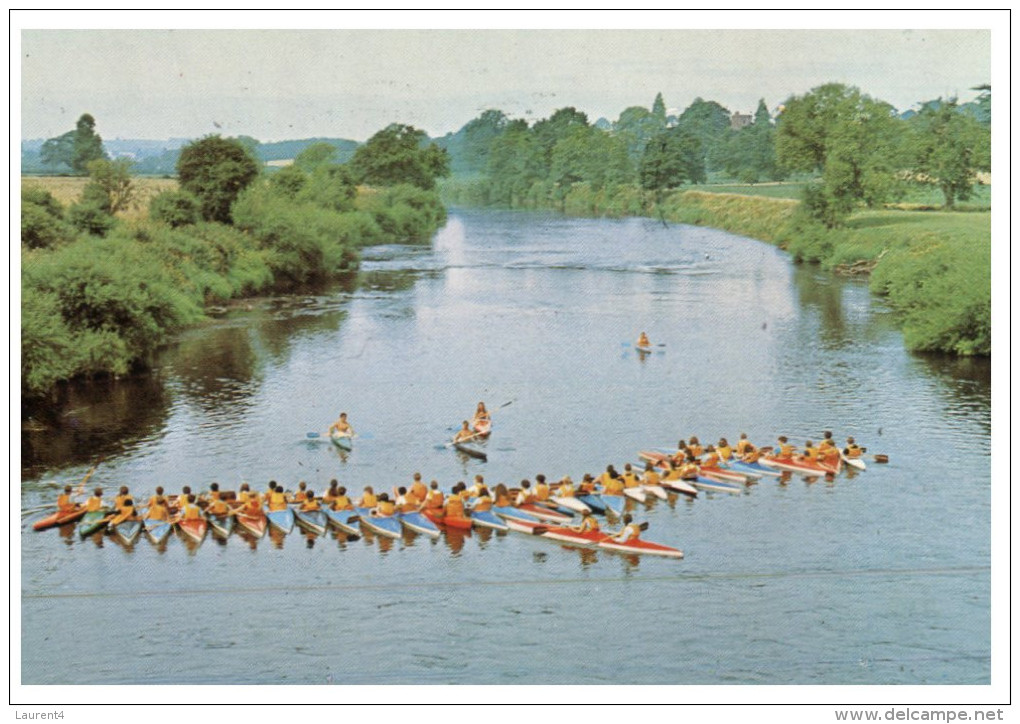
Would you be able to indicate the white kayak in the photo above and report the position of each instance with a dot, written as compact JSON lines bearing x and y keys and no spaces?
{"x":854,"y":462}
{"x":657,"y":490}
{"x":637,"y":494}
{"x":571,"y":503}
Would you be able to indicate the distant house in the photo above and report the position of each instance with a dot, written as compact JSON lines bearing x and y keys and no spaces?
{"x":740,"y":120}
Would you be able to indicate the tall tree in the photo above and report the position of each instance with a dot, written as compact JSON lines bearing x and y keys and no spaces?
{"x":950,"y":147}
{"x":215,"y":170}
{"x":708,"y":122}
{"x":671,"y":159}
{"x":398,"y":154}
{"x":113,"y":178}
{"x":74,"y":149}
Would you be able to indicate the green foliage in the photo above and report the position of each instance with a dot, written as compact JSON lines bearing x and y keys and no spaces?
{"x":331,"y":187}
{"x":113,"y":178}
{"x":406,"y":213}
{"x":74,"y":149}
{"x":175,"y":208}
{"x":43,"y":198}
{"x":41,"y":228}
{"x":215,"y":170}
{"x":398,"y":154}
{"x":949,"y":148}
{"x":749,"y":154}
{"x":90,"y":217}
{"x":318,"y":154}
{"x":289,"y":181}
{"x":671,"y":159}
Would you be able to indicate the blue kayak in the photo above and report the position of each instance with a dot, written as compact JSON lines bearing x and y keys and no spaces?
{"x":157,"y":530}
{"x":488,"y":519}
{"x":718,"y":485}
{"x":312,"y":521}
{"x":128,"y":531}
{"x":221,"y":525}
{"x":615,"y":504}
{"x":345,"y":442}
{"x":282,"y":520}
{"x":419,"y":524}
{"x":510,"y":513}
{"x":594,"y":502}
{"x":753,"y":469}
{"x":384,"y":525}
{"x":342,"y":520}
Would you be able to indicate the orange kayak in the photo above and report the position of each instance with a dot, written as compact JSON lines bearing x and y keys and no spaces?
{"x":59,"y":518}
{"x":448,"y":520}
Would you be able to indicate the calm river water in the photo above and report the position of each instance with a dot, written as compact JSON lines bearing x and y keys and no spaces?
{"x":880,"y":578}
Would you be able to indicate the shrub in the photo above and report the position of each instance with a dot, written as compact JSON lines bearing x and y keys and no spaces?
{"x":40,"y":228}
{"x":90,"y":218}
{"x":175,"y":208}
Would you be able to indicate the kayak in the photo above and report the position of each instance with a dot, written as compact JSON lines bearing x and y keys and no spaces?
{"x":571,"y":504}
{"x":712,"y":471}
{"x":311,"y":521}
{"x":387,"y":526}
{"x":854,"y":462}
{"x":593,"y":501}
{"x":254,"y":524}
{"x":545,"y":513}
{"x":449,"y":521}
{"x":642,"y":349}
{"x":797,"y":466}
{"x":342,"y":520}
{"x":571,"y":536}
{"x":346,"y":442}
{"x":419,"y":524}
{"x":753,"y":469}
{"x":656,"y":458}
{"x":221,"y":525}
{"x":722,"y":486}
{"x":59,"y":518}
{"x":157,"y":530}
{"x":680,"y":486}
{"x":657,"y":490}
{"x":91,"y":522}
{"x":488,"y":519}
{"x":195,"y":528}
{"x":637,"y":494}
{"x":510,"y":513}
{"x":470,"y":451}
{"x":282,"y":520}
{"x":640,"y":547}
{"x":127,"y":532}
{"x":736,"y":466}
{"x":615,"y":505}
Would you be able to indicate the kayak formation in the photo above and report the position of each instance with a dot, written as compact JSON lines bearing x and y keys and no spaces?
{"x":597,"y":512}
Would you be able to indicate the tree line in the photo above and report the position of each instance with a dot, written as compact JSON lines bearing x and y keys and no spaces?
{"x":100,"y":293}
{"x":858,"y":150}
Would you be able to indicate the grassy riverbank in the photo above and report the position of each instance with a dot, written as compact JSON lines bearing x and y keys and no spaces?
{"x":933,"y":267}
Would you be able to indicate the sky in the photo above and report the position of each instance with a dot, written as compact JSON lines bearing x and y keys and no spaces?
{"x":294,"y":83}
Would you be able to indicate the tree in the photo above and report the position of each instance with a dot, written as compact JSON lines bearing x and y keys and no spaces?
{"x":708,"y":122}
{"x":636,"y":126}
{"x":74,"y":149}
{"x":853,"y":140}
{"x":670,"y":160}
{"x":114,"y":179}
{"x":316,"y":155}
{"x":659,"y":108}
{"x":515,"y":163}
{"x":175,"y":208}
{"x":216,"y":170}
{"x":949,"y":148}
{"x":749,"y":154}
{"x":398,"y":154}
{"x":42,"y":220}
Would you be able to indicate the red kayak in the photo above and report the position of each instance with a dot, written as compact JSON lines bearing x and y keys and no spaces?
{"x":641,"y":547}
{"x":254,"y":524}
{"x":194,"y":528}
{"x":794,"y":465}
{"x":449,"y":521}
{"x":557,"y":533}
{"x":60,"y":518}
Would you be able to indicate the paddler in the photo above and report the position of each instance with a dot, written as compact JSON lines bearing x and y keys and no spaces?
{"x":694,"y":447}
{"x":191,"y":511}
{"x":158,"y":509}
{"x":610,"y":474}
{"x":125,"y":511}
{"x":810,"y":453}
{"x":418,"y":487}
{"x":651,"y":475}
{"x":541,"y":489}
{"x":711,"y":459}
{"x":95,"y":502}
{"x":566,"y":488}
{"x":723,"y":450}
{"x":454,"y":505}
{"x":218,"y":506}
{"x":827,"y":440}
{"x":750,"y":455}
{"x":642,"y":340}
{"x":479,"y":483}
{"x":277,"y":499}
{"x":786,"y":450}
{"x":587,"y":485}
{"x":502,"y":496}
{"x":368,"y":498}
{"x":341,"y":501}
{"x":681,"y":452}
{"x":613,"y":486}
{"x":690,"y":470}
{"x":330,"y":495}
{"x":588,"y":524}
{"x":64,"y":502}
{"x":465,"y":433}
{"x":630,"y":478}
{"x":743,"y":445}
{"x":341,"y":426}
{"x":525,"y":495}
{"x":384,"y":507}
{"x":155,"y":497}
{"x":828,"y":454}
{"x":182,"y":499}
{"x":674,"y":472}
{"x":434,"y":499}
{"x":852,"y":450}
{"x":406,"y":501}
{"x":483,"y":501}
{"x":481,"y":415}
{"x":122,"y":495}
{"x":630,"y":530}
{"x":252,"y":506}
{"x":301,"y":494}
{"x":310,"y":504}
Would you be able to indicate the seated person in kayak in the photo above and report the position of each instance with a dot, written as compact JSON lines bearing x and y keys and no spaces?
{"x":642,"y":340}
{"x":341,"y":427}
{"x":744,"y":445}
{"x":158,"y":509}
{"x":95,"y":502}
{"x":723,"y":449}
{"x":828,"y":454}
{"x":587,"y":485}
{"x":454,"y":506}
{"x":565,"y":488}
{"x":630,"y":531}
{"x":64,"y":502}
{"x":681,"y":453}
{"x":630,"y":478}
{"x":434,"y":499}
{"x":156,"y":496}
{"x":465,"y":433}
{"x":852,"y":450}
{"x":368,"y":498}
{"x":694,"y":447}
{"x":785,"y":449}
{"x":483,"y":501}
{"x":330,"y":495}
{"x":341,"y":501}
{"x":406,"y":501}
{"x":481,"y":415}
{"x":310,"y":504}
{"x":541,"y":489}
{"x":651,"y":475}
{"x":502,"y":496}
{"x":252,"y":506}
{"x":588,"y":524}
{"x":613,"y":486}
{"x":608,"y":475}
{"x":418,"y":487}
{"x":711,"y":459}
{"x":218,"y":506}
{"x":125,"y":511}
{"x":477,"y":486}
{"x":277,"y":499}
{"x":301,"y":493}
{"x":191,"y":511}
{"x":690,"y":469}
{"x":810,"y":453}
{"x":525,"y":496}
{"x":750,"y":455}
{"x":121,"y":497}
{"x":827,"y":440}
{"x":385,"y":507}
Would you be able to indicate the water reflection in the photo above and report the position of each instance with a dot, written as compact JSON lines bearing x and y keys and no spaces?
{"x":816,"y":290}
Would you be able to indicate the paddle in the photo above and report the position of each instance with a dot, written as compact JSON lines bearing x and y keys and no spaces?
{"x":79,"y":491}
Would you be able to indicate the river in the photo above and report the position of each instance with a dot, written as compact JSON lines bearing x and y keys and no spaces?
{"x":882,"y":577}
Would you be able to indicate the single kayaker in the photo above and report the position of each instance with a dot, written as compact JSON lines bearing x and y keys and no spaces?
{"x":121,"y":497}
{"x":786,"y":450}
{"x":566,"y":488}
{"x":588,"y":524}
{"x":479,"y":483}
{"x":674,"y":472}
{"x":613,"y":486}
{"x":681,"y":452}
{"x":810,"y":452}
{"x":182,"y":499}
{"x":218,"y":506}
{"x":125,"y":511}
{"x":310,"y":504}
{"x":525,"y":495}
{"x":330,"y":495}
{"x":502,"y":496}
{"x":743,"y":444}
{"x":828,"y":454}
{"x":723,"y":449}
{"x":642,"y":340}
{"x":541,"y":489}
{"x":434,"y":499}
{"x":418,"y":487}
{"x":64,"y":502}
{"x":368,"y":498}
{"x":711,"y":458}
{"x":277,"y":499}
{"x":454,"y":506}
{"x":158,"y":494}
{"x":608,"y":475}
{"x":827,"y":440}
{"x":341,"y":426}
{"x":751,"y":455}
{"x":630,"y":530}
{"x":630,"y":478}
{"x":587,"y":485}
{"x":191,"y":511}
{"x":852,"y":450}
{"x":694,"y":447}
{"x":301,"y":493}
{"x":384,"y":507}
{"x":341,"y":501}
{"x":406,"y":501}
{"x":95,"y":502}
{"x":483,"y":501}
{"x":465,"y":433}
{"x":481,"y":414}
{"x":252,"y":506}
{"x":690,"y":470}
{"x":651,"y":475}
{"x":158,"y":509}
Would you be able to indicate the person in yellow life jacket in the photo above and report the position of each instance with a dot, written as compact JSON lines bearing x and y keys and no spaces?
{"x":810,"y":453}
{"x":630,"y":530}
{"x":651,"y":475}
{"x":751,"y":455}
{"x":301,"y":494}
{"x":478,"y":484}
{"x":368,"y":498}
{"x":191,"y":511}
{"x":483,"y":501}
{"x":690,"y":469}
{"x":158,"y":494}
{"x":673,"y":473}
{"x":465,"y":433}
{"x":694,"y":447}
{"x":785,"y":450}
{"x":341,"y":501}
{"x":434,"y":499}
{"x":829,"y":454}
{"x":418,"y":487}
{"x":608,"y":475}
{"x":213,"y":494}
{"x":384,"y":507}
{"x":566,"y":488}
{"x":158,"y":510}
{"x":827,"y":440}
{"x":182,"y":499}
{"x":95,"y":502}
{"x":711,"y":458}
{"x":681,"y":453}
{"x":406,"y":501}
{"x":277,"y":499}
{"x":642,"y":340}
{"x":630,"y":478}
{"x":125,"y":511}
{"x":743,"y":444}
{"x":502,"y":496}
{"x":453,"y":507}
{"x":341,"y":426}
{"x":64,"y":502}
{"x":541,"y":489}
{"x":122,"y":495}
{"x":252,"y":506}
{"x":331,"y":493}
{"x":723,"y":450}
{"x":852,"y":450}
{"x":218,"y":506}
{"x":613,"y":486}
{"x":525,"y":496}
{"x":310,"y":503}
{"x":587,"y":485}
{"x":588,"y":524}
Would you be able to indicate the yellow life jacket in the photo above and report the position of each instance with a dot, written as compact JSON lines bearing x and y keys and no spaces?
{"x":385,"y":507}
{"x":484,"y":502}
{"x":218,"y":507}
{"x":785,"y":450}
{"x":309,"y":505}
{"x":743,"y":446}
{"x":502,"y":501}
{"x":630,"y":480}
{"x":93,"y":504}
{"x":434,"y":501}
{"x":342,"y":502}
{"x":368,"y":500}
{"x":419,"y":490}
{"x":725,"y":452}
{"x":565,"y":491}
{"x":652,"y":477}
{"x":696,"y":450}
{"x":454,"y":507}
{"x":158,"y":512}
{"x":277,"y":501}
{"x":541,"y":491}
{"x":613,"y":487}
{"x":192,"y":512}
{"x":64,"y":502}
